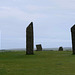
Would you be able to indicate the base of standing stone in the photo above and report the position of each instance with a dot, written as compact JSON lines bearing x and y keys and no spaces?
{"x":73,"y":53}
{"x":29,"y":53}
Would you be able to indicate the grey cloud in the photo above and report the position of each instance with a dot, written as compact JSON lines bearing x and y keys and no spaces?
{"x":52,"y":19}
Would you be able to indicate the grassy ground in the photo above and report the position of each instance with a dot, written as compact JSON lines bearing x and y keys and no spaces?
{"x":42,"y":63}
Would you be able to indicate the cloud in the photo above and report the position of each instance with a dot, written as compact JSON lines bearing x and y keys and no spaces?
{"x":52,"y":20}
{"x":38,"y":8}
{"x":65,"y":4}
{"x":6,"y":12}
{"x":0,"y":39}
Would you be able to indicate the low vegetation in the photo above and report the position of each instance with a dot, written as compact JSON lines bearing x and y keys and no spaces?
{"x":41,"y":63}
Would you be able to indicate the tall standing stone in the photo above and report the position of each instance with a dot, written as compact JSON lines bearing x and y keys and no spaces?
{"x":73,"y":38}
{"x":39,"y":47}
{"x":29,"y":39}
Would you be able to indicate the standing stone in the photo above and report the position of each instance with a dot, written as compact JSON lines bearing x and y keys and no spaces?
{"x":73,"y":38}
{"x":60,"y":48}
{"x":29,"y":39}
{"x":39,"y":47}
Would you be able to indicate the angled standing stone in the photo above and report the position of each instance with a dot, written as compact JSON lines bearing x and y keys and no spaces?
{"x":29,"y":39}
{"x":73,"y":38}
{"x":39,"y":47}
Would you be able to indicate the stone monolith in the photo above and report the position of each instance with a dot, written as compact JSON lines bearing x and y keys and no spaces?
{"x":60,"y":49}
{"x":39,"y":47}
{"x":73,"y":38}
{"x":29,"y":39}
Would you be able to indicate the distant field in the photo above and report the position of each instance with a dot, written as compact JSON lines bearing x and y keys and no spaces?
{"x":42,"y":63}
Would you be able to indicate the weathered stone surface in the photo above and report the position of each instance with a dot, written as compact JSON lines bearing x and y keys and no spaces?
{"x":29,"y":39}
{"x":73,"y":38}
{"x":60,"y":49}
{"x":39,"y":47}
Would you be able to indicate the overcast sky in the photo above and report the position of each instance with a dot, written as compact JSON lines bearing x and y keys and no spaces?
{"x":52,"y":21}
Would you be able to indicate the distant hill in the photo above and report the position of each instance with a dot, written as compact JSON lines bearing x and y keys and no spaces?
{"x":44,"y":49}
{"x":64,"y":48}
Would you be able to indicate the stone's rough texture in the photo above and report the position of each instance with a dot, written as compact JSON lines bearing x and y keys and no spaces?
{"x":29,"y":39}
{"x":60,"y":48}
{"x":39,"y":47}
{"x":73,"y":38}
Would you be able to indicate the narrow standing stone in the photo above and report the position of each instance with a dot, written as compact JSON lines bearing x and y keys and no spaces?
{"x":73,"y":38}
{"x":39,"y":47}
{"x":29,"y":39}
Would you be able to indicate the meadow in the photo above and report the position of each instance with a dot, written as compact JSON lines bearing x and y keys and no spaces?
{"x":41,"y":63}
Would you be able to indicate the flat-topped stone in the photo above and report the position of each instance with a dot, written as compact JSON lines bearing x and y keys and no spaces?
{"x":39,"y":47}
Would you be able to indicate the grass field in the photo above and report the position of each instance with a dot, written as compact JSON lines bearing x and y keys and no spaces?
{"x":41,"y":63}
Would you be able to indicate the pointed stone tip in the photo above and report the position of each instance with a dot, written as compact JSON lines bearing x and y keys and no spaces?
{"x":73,"y":27}
{"x":31,"y":23}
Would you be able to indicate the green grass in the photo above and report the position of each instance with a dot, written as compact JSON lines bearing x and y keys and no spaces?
{"x":41,"y":63}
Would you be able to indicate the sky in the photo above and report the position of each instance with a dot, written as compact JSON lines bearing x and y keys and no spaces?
{"x":52,"y":20}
